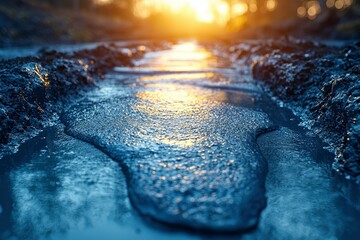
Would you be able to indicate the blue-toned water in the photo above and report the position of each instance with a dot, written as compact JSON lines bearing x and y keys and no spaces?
{"x":181,"y":141}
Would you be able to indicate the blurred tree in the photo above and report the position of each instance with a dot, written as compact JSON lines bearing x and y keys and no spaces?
{"x":116,"y":8}
{"x":75,"y":4}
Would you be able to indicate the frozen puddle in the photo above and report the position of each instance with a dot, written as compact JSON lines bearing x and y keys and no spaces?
{"x":190,"y":145}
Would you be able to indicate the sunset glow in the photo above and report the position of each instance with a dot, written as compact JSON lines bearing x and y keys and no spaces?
{"x":206,"y":11}
{"x":233,"y":13}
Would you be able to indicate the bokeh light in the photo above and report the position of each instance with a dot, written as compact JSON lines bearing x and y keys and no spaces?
{"x":221,"y":12}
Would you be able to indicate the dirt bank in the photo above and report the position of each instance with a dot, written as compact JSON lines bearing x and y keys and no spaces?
{"x":320,"y":84}
{"x":33,"y":89}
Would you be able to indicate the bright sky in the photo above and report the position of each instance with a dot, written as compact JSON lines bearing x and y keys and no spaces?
{"x":218,"y":11}
{"x":207,"y":11}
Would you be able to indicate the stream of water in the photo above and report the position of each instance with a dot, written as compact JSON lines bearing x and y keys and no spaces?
{"x":180,"y":146}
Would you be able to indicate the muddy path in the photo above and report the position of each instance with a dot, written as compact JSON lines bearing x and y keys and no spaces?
{"x":182,"y":146}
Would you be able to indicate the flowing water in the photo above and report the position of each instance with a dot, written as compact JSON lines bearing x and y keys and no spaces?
{"x":179,"y":146}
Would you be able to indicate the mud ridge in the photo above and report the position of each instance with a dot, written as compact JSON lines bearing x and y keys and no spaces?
{"x":320,"y":84}
{"x":33,"y":90}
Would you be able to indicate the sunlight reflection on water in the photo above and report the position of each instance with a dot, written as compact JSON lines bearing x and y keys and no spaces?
{"x":185,"y":56}
{"x":168,"y":100}
{"x":163,"y":102}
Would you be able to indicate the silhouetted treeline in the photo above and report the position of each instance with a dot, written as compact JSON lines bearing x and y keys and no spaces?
{"x":75,"y":4}
{"x":114,"y":8}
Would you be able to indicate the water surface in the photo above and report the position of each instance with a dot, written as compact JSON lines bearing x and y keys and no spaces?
{"x":186,"y":141}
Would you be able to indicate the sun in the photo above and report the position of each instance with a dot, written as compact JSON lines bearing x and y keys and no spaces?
{"x":203,"y":10}
{"x":206,"y":11}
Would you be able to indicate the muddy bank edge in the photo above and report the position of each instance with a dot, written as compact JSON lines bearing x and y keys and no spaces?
{"x":33,"y":90}
{"x":320,"y":83}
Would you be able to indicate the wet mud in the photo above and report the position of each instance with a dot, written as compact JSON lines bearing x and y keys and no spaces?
{"x":33,"y":89}
{"x":320,"y":83}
